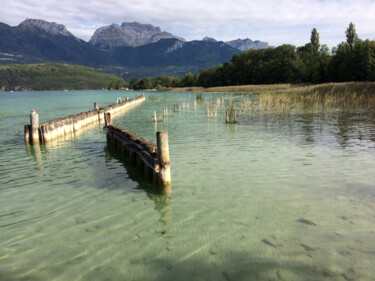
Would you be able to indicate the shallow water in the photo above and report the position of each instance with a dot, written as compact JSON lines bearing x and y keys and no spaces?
{"x":288,"y":197}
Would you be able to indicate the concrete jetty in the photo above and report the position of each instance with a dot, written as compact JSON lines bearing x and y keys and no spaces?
{"x":48,"y":131}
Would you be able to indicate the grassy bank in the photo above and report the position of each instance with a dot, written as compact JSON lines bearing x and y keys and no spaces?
{"x":52,"y":76}
{"x":300,"y":88}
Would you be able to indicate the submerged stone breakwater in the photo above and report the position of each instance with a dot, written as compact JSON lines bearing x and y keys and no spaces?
{"x":48,"y":131}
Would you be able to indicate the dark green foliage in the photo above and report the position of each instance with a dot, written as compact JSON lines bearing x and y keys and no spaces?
{"x":353,"y":60}
{"x":52,"y":76}
{"x":190,"y":80}
{"x":133,"y":84}
{"x":314,"y":40}
{"x":117,"y":84}
{"x":351,"y":36}
{"x":160,"y":82}
{"x":145,"y":83}
{"x":273,"y":65}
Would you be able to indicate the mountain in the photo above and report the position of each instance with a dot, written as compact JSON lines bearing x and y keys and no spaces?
{"x":128,"y":34}
{"x":35,"y":41}
{"x":242,"y":44}
{"x":210,"y":39}
{"x":247,"y":44}
{"x":49,"y":27}
{"x":152,"y":52}
{"x":167,"y":52}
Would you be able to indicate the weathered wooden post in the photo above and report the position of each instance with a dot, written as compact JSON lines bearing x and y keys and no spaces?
{"x":96,"y":106}
{"x":163,"y":158}
{"x":27,"y":134}
{"x":127,"y":98}
{"x":107,"y":119}
{"x":34,"y":121}
{"x":119,"y":100}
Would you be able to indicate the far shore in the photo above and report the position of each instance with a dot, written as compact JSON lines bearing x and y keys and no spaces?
{"x":349,"y":86}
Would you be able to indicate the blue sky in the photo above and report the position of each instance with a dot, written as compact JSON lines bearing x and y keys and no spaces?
{"x":276,"y":22}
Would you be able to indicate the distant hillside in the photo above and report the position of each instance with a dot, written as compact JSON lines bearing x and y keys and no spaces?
{"x":173,"y":52}
{"x":52,"y":76}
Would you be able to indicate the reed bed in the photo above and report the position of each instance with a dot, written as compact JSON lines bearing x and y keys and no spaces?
{"x":348,"y":97}
{"x":252,"y":88}
{"x":211,"y":109}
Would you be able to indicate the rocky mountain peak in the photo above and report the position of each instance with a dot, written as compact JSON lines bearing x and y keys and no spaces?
{"x":247,"y":44}
{"x":209,"y":39}
{"x":49,"y":27}
{"x":128,"y":34}
{"x":138,"y":27}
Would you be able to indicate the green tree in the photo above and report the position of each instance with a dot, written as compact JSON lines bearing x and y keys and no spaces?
{"x":146,"y":83}
{"x":314,"y":40}
{"x":133,"y":84}
{"x":117,"y":84}
{"x":190,"y":80}
{"x":351,"y":36}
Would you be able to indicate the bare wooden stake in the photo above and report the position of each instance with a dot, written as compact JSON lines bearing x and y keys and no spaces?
{"x":107,"y":119}
{"x":27,"y":134}
{"x":34,"y":121}
{"x":163,"y":157}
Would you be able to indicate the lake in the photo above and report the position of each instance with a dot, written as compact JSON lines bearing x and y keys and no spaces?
{"x":272,"y":197}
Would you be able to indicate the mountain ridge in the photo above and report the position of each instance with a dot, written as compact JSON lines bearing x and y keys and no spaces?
{"x":49,"y":27}
{"x":128,"y":34}
{"x":38,"y":41}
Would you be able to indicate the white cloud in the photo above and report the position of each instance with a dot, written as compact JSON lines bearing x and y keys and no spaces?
{"x":276,"y":22}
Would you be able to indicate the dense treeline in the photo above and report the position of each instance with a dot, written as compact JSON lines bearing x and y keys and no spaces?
{"x":164,"y":82}
{"x":52,"y":76}
{"x":352,"y":60}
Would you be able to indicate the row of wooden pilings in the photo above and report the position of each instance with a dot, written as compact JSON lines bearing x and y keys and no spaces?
{"x":45,"y":132}
{"x":152,"y":158}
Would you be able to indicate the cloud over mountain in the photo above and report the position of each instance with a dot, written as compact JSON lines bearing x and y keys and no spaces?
{"x":277,"y":22}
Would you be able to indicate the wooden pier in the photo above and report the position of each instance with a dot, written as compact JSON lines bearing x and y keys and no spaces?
{"x":45,"y":132}
{"x":152,"y":158}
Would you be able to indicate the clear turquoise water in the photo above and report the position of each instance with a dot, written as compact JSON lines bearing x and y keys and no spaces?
{"x":272,"y":197}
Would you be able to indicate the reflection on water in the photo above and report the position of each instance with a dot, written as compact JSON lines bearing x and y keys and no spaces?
{"x":162,"y":201}
{"x":277,"y":196}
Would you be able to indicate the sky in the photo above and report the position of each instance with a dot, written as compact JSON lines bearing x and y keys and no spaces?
{"x":274,"y":21}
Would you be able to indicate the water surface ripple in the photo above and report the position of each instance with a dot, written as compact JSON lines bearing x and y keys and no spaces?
{"x":272,"y":197}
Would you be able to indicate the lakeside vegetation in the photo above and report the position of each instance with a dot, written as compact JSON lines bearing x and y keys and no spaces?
{"x":352,"y":60}
{"x":52,"y":76}
{"x":346,"y":97}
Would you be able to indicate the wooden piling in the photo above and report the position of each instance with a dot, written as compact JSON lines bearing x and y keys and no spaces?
{"x":163,"y":158}
{"x":154,"y":117}
{"x":96,"y":106}
{"x":27,"y":134}
{"x":152,"y":159}
{"x":107,"y":119}
{"x":34,"y":121}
